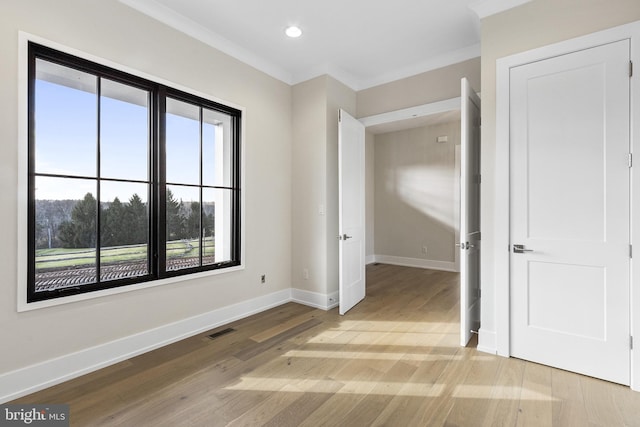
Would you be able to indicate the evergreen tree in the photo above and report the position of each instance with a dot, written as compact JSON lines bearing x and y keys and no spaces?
{"x":175,"y":221}
{"x":80,"y":232}
{"x":193,"y":221}
{"x":136,"y":221}
{"x":112,"y":232}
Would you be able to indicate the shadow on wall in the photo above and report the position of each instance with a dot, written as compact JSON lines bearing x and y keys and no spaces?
{"x":416,"y":193}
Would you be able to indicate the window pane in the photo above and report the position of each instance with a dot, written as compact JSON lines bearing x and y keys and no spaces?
{"x":183,"y":227}
{"x":124,"y":230}
{"x":218,"y":224}
{"x":66,"y":120}
{"x":216,"y":149}
{"x":182,"y":143}
{"x":124,"y":131}
{"x":65,"y":230}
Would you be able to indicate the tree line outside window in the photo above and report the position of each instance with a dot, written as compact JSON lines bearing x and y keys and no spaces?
{"x":129,"y":180}
{"x":122,"y":223}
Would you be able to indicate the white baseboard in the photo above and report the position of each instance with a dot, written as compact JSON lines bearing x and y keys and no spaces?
{"x":487,"y":342}
{"x":370,"y":259}
{"x":37,"y":377}
{"x":416,"y":262}
{"x":315,"y":299}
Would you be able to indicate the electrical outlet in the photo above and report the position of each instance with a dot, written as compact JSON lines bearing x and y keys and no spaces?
{"x":305,"y":274}
{"x":263,"y":278}
{"x":424,"y":250}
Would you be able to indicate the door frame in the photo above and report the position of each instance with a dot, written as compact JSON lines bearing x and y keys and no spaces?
{"x":501,"y":209}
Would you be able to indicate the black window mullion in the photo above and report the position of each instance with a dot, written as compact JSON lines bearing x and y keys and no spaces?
{"x":235,"y":159}
{"x":152,"y":185}
{"x":160,"y":207}
{"x":98,"y":182}
{"x":201,"y":230}
{"x":31,"y":186}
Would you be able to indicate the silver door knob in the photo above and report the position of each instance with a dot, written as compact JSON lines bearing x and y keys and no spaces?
{"x":520,"y":249}
{"x":344,"y":237}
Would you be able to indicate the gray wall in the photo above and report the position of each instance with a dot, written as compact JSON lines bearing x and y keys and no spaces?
{"x":112,"y":31}
{"x":415,"y":193}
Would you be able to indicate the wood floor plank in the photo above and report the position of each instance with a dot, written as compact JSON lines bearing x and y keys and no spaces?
{"x":393,"y":360}
{"x":284,"y":326}
{"x":503,"y":406}
{"x":536,"y":409}
{"x":256,"y":349}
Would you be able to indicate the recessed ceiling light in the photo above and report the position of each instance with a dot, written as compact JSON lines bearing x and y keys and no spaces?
{"x":293,"y":32}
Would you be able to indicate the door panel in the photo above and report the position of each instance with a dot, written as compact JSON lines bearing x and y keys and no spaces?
{"x":469,"y":213}
{"x":351,"y":211}
{"x":570,"y":211}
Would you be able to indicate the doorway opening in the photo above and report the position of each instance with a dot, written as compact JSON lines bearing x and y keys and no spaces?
{"x":414,"y":171}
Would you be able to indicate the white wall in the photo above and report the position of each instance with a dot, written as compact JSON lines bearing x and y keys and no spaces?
{"x":369,"y":199}
{"x":339,"y":97}
{"x":532,"y":25}
{"x":309,"y":186}
{"x":431,"y":86}
{"x":315,"y":187}
{"x":110,"y":30}
{"x":415,"y":195}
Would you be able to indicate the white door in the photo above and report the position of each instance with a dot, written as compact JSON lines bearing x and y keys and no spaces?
{"x":570,"y":202}
{"x":351,"y":211}
{"x":469,"y":213}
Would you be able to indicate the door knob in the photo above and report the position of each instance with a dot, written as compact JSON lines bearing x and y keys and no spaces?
{"x":465,"y":245}
{"x":520,"y":249}
{"x":344,"y":237}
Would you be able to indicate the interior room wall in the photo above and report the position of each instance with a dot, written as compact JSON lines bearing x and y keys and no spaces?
{"x":309,"y":164}
{"x":532,"y":25}
{"x":110,"y":30}
{"x":369,"y":183}
{"x":339,"y":97}
{"x":315,"y":187}
{"x":431,"y":86}
{"x":415,"y":196}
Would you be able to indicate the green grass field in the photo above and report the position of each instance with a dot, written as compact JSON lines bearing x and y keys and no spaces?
{"x":47,"y":259}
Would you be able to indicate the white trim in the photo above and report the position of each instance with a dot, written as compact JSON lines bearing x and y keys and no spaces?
{"x":433,"y":63}
{"x":22,"y":193}
{"x":370,"y":259}
{"x":487,"y":341}
{"x":437,"y":107}
{"x":484,"y":8}
{"x":37,"y":377}
{"x":416,"y":262}
{"x":191,"y":28}
{"x":315,"y":299}
{"x":501,"y":216}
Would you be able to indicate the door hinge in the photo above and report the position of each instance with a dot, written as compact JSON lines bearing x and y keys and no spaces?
{"x":631,"y":342}
{"x":630,"y":69}
{"x":630,"y":251}
{"x":630,"y":160}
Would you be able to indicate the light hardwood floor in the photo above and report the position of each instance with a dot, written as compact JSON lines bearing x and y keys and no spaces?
{"x":393,"y":360}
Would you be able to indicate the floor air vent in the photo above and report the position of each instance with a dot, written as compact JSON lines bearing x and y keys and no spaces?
{"x":221,"y":333}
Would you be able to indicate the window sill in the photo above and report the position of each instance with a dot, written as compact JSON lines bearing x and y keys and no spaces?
{"x":24,"y":306}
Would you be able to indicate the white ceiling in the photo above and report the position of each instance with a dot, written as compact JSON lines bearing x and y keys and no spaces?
{"x":362,"y":43}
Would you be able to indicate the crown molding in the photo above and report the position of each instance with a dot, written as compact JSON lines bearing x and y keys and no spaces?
{"x":187,"y":26}
{"x":485,"y":8}
{"x":165,"y":15}
{"x":433,"y":63}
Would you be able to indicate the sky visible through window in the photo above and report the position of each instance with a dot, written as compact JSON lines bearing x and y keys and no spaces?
{"x":66,"y":144}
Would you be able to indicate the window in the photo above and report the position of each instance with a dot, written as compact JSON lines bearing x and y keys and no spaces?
{"x":129,"y":180}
